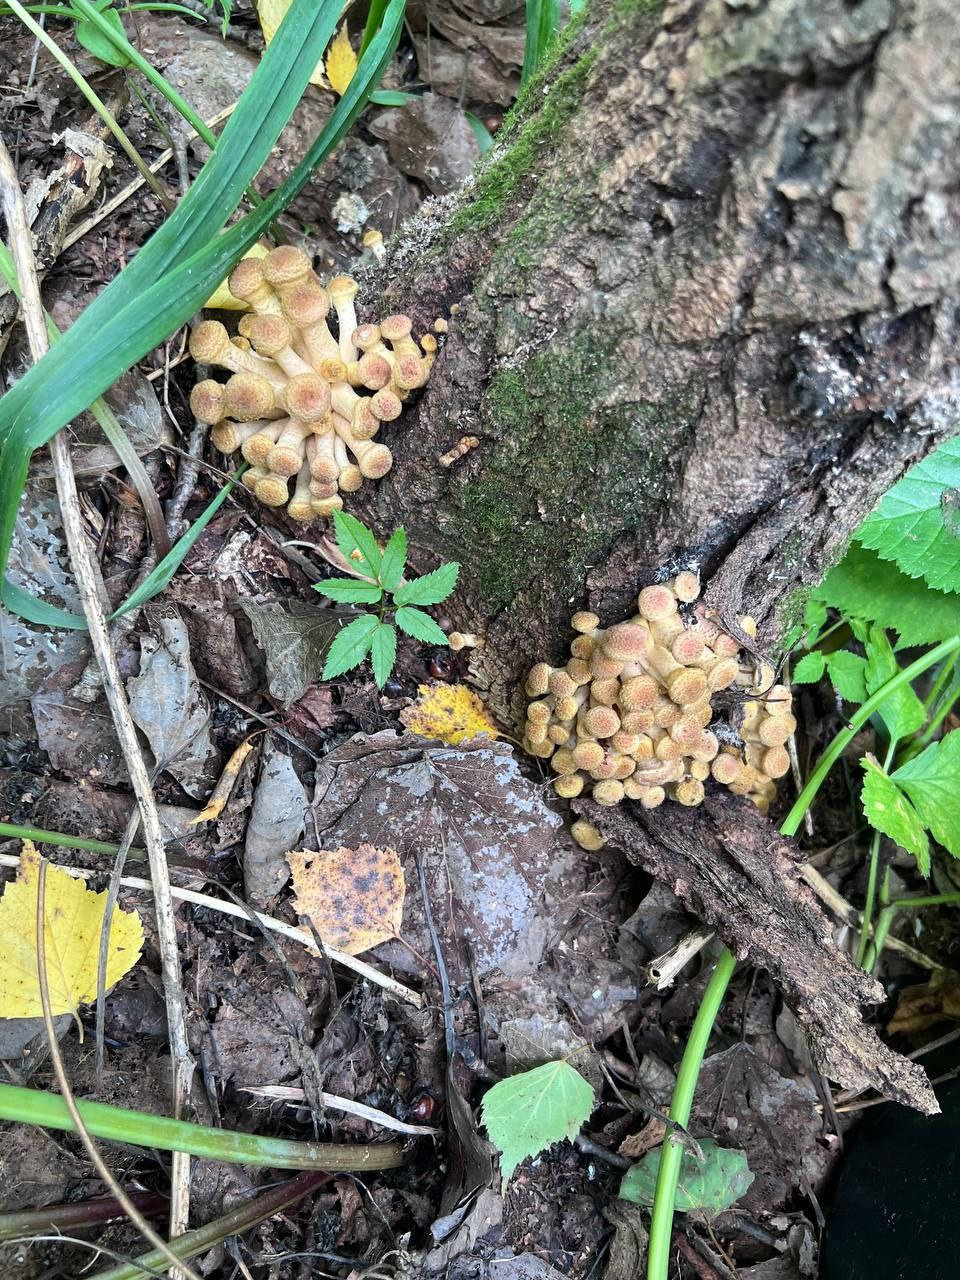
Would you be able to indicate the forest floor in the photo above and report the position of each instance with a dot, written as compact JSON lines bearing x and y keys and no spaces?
{"x":545,"y":947}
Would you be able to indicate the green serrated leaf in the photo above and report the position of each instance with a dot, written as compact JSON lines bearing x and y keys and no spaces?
{"x":908,"y":526}
{"x":864,"y":586}
{"x":889,"y":811}
{"x":357,"y":542}
{"x":394,"y":558}
{"x":350,"y":647}
{"x":419,"y":625}
{"x":529,"y":1112}
{"x":431,"y":588}
{"x":932,"y":781}
{"x":847,"y":673}
{"x":810,"y":668}
{"x":710,"y":1185}
{"x":383,"y":652}
{"x":902,"y":712}
{"x":350,"y":590}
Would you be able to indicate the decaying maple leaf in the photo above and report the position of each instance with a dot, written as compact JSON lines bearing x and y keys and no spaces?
{"x":74,"y":917}
{"x":354,"y":897}
{"x":450,"y":712}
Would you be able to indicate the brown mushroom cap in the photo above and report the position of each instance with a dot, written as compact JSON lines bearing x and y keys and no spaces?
{"x":208,"y":402}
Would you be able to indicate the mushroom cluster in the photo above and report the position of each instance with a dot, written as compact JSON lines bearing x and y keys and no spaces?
{"x":301,"y":403}
{"x":632,"y":714}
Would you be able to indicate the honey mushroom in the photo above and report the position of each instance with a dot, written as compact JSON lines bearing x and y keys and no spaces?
{"x":304,"y":403}
{"x":628,"y":715}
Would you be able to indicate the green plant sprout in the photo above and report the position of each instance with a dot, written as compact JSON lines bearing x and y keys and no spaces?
{"x":372,"y":633}
{"x":902,"y":573}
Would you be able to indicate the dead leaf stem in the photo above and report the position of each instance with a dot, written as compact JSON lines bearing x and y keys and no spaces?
{"x":129,"y":1208}
{"x":93,"y":599}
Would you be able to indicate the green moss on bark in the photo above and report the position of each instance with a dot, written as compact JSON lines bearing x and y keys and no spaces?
{"x":568,"y":474}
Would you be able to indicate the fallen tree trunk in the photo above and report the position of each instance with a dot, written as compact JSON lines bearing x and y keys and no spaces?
{"x":707,"y":294}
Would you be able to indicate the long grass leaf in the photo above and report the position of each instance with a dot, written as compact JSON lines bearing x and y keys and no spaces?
{"x":178,"y":275}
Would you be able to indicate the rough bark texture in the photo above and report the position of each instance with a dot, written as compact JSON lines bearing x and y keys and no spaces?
{"x":728,"y":865}
{"x":707,"y":289}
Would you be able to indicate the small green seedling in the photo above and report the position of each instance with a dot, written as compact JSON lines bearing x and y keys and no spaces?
{"x":707,"y":1186}
{"x":529,"y":1112}
{"x":373,"y":633}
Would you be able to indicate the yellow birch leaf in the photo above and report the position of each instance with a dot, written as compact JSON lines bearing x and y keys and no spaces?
{"x":271,"y":13}
{"x":222,"y":299}
{"x":354,"y":897}
{"x":73,"y":917}
{"x":451,"y":712}
{"x":341,"y":62}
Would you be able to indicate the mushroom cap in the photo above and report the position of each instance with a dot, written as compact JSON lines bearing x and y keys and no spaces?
{"x":563,"y":762}
{"x":256,"y":449}
{"x":776,"y":762}
{"x":687,"y":648}
{"x":209,"y":341}
{"x":351,"y":478}
{"x":582,"y":647}
{"x":301,"y":510}
{"x":666,"y":749}
{"x":706,"y":747}
{"x":568,"y":785}
{"x":638,"y":693}
{"x":374,"y":371}
{"x":749,"y":625}
{"x":608,"y":792}
{"x":560,"y":685}
{"x":686,"y":586}
{"x":566,"y":708}
{"x":652,"y":797}
{"x":208,"y":402}
{"x":225,"y":437}
{"x":269,"y":335}
{"x":559,"y":734}
{"x":584,"y":621}
{"x":578,"y":671}
{"x":637,"y":721}
{"x":385,"y":405}
{"x":539,"y":713}
{"x":395,"y":327}
{"x":656,"y":602}
{"x":686,"y":685}
{"x":689,"y":792}
{"x":305,"y":304}
{"x":722,"y":674}
{"x":376,"y":462}
{"x":626,"y":642}
{"x":323,"y":488}
{"x":246,"y":279}
{"x":285,"y":459}
{"x":665,"y":713}
{"x":285,"y":265}
{"x":588,"y":754}
{"x":726,"y":768}
{"x":326,"y":507}
{"x":586,"y":835}
{"x":272,"y":491}
{"x":365,"y":336}
{"x":408,"y":372}
{"x":248,"y":396}
{"x":724,"y":646}
{"x":538,"y":680}
{"x":342,"y":289}
{"x":774,"y":731}
{"x":306,"y":397}
{"x":604,"y":693}
{"x":601,"y":722}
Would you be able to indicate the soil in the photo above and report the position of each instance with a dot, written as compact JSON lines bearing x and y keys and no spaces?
{"x":543,"y":947}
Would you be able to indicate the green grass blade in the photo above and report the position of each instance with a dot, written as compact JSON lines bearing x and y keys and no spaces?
{"x":543,"y":17}
{"x":171,"y":278}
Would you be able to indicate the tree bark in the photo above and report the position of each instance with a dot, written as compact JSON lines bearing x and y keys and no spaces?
{"x":707,"y":293}
{"x":707,"y":311}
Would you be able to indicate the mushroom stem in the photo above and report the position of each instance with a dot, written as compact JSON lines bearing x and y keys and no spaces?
{"x":343,"y":291}
{"x":210,"y":344}
{"x":287,"y":455}
{"x":300,"y":506}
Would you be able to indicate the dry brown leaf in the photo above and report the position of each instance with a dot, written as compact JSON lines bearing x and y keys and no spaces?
{"x":354,"y":897}
{"x":451,"y":712}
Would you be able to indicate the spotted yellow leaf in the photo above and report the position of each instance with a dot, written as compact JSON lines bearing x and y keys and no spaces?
{"x":222,"y":299}
{"x":341,"y":62}
{"x":271,"y":13}
{"x":451,"y":712}
{"x":73,"y":917}
{"x":354,"y":897}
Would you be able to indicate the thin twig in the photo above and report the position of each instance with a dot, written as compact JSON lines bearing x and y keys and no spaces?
{"x":129,"y":1208}
{"x":92,"y":595}
{"x":359,"y":967}
{"x":290,"y":1093}
{"x":122,"y":196}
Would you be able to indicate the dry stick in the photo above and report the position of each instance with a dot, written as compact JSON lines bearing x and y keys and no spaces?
{"x":131,"y":1210}
{"x":92,"y":595}
{"x":122,"y":196}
